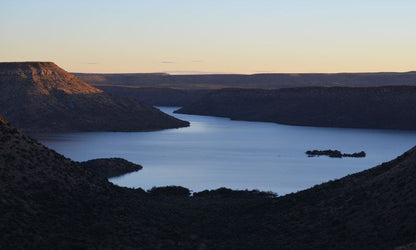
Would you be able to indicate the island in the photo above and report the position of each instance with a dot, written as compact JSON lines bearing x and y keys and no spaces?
{"x":110,"y":167}
{"x":334,"y":153}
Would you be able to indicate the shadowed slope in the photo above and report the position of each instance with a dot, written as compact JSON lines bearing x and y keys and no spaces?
{"x":381,"y":107}
{"x":40,"y":96}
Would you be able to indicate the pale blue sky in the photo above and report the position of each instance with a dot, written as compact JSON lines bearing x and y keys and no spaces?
{"x":212,"y":36}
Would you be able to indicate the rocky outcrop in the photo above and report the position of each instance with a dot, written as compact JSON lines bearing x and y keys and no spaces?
{"x":41,"y":78}
{"x":40,"y":96}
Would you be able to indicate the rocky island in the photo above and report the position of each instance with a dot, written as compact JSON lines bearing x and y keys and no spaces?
{"x":110,"y":167}
{"x":334,"y":153}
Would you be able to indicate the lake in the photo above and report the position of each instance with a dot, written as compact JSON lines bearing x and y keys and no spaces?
{"x":218,"y":152}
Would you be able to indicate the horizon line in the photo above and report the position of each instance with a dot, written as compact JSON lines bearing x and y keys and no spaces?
{"x":230,"y":73}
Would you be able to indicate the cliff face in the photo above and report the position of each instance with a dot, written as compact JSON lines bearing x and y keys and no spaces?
{"x":42,"y":78}
{"x":380,"y":107}
{"x":40,"y":96}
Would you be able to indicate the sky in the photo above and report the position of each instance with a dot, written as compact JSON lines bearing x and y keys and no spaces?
{"x":211,"y":36}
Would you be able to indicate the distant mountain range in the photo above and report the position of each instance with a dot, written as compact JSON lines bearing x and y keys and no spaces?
{"x":250,"y":81}
{"x":183,"y":90}
{"x":48,"y":201}
{"x":40,"y":96}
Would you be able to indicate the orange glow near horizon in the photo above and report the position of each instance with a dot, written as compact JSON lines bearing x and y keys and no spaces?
{"x":193,"y":37}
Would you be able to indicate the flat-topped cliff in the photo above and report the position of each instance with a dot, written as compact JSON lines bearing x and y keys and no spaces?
{"x":40,"y":96}
{"x":43,"y":77}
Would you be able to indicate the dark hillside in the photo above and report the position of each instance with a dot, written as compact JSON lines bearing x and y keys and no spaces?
{"x":381,"y":107}
{"x":49,"y":202}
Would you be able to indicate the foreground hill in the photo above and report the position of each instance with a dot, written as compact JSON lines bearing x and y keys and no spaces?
{"x":380,"y":107}
{"x":49,"y":202}
{"x":41,"y":96}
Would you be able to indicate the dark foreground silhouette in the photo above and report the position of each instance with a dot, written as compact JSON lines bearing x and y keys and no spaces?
{"x":48,"y":201}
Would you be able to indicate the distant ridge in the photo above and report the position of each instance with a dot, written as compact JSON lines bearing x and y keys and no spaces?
{"x":391,"y":107}
{"x":183,"y":90}
{"x":261,"y":80}
{"x":40,"y":96}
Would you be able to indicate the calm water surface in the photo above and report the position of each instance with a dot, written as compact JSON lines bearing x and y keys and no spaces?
{"x":216,"y":152}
